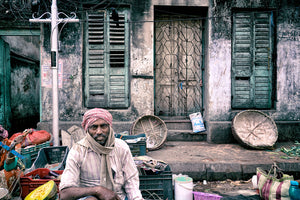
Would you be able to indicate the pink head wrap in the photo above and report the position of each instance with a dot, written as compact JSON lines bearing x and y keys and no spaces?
{"x":93,"y":115}
{"x":3,"y":132}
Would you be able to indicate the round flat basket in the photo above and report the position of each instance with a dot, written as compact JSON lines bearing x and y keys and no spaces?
{"x":254,"y":129}
{"x":155,"y":129}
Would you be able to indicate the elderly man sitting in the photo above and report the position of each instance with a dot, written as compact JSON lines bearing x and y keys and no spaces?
{"x":100,"y":166}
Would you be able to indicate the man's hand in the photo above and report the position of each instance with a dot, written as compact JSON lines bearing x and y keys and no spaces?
{"x":99,"y":192}
{"x":106,"y":194}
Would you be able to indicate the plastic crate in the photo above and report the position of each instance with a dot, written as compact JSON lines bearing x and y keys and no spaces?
{"x":137,"y":149}
{"x":29,"y":182}
{"x":157,"y":186}
{"x":30,"y":153}
{"x":206,"y":196}
{"x":53,"y":158}
{"x":136,"y":143}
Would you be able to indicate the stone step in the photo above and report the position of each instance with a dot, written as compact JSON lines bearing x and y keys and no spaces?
{"x":185,"y":135}
{"x":182,"y":124}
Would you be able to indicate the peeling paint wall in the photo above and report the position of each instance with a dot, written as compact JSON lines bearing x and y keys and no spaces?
{"x":24,"y":95}
{"x":217,"y":73}
{"x":142,"y":51}
{"x":219,"y":80}
{"x":31,"y":44}
{"x":71,"y":94}
{"x":142,"y":55}
{"x":25,"y":81}
{"x":218,"y":102}
{"x":288,"y":67}
{"x":70,"y":77}
{"x":288,"y":59}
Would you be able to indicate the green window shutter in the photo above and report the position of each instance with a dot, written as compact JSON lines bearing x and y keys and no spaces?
{"x":242,"y":61}
{"x":118,"y":61}
{"x":263,"y":68}
{"x":106,"y":80}
{"x":251,"y":60}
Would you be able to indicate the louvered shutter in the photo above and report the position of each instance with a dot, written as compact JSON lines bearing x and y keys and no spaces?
{"x":251,"y":60}
{"x":118,"y":61}
{"x":106,"y":83}
{"x":263,"y":68}
{"x":242,"y":61}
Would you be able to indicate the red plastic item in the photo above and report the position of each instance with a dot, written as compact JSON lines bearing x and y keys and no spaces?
{"x":29,"y":183}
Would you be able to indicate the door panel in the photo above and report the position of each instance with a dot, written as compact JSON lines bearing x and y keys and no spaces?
{"x":5,"y":109}
{"x":178,"y":66}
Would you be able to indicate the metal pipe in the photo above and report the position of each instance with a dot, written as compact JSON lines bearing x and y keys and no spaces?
{"x":54,"y":67}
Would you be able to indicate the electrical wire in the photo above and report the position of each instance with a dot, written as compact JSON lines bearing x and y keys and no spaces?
{"x":23,"y":11}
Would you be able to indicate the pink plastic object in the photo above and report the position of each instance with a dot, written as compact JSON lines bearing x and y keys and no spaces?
{"x":206,"y":196}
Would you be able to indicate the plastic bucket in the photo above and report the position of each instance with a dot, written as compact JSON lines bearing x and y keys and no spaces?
{"x":183,"y":188}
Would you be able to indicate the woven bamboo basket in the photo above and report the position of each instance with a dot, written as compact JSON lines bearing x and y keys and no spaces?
{"x":254,"y":129}
{"x":155,"y":129}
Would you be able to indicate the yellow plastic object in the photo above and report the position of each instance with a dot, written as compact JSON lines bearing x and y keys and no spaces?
{"x":46,"y":191}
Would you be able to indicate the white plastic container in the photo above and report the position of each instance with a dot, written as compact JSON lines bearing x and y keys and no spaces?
{"x":183,"y":188}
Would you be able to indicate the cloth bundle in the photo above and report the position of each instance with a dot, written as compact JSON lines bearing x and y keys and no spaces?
{"x":149,"y":166}
{"x":34,"y":137}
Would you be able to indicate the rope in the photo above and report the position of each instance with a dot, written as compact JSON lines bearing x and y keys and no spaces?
{"x":153,"y":195}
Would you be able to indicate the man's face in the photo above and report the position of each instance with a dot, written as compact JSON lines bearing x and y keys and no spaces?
{"x":99,"y":130}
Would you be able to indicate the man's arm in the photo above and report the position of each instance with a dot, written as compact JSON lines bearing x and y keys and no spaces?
{"x":131,"y":176}
{"x":99,"y":192}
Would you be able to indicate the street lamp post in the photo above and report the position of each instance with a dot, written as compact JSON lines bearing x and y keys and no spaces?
{"x":55,"y":20}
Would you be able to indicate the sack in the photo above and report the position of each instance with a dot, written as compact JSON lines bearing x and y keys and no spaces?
{"x":197,"y":122}
{"x":34,"y":137}
{"x":273,"y":185}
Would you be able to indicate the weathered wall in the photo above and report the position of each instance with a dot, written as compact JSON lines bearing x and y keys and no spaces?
{"x":219,"y":112}
{"x":217,"y":87}
{"x":25,"y":86}
{"x":288,"y":59}
{"x":141,"y":67}
{"x":27,"y":46}
{"x":25,"y":81}
{"x":71,"y":103}
{"x":142,"y":52}
{"x":70,"y":77}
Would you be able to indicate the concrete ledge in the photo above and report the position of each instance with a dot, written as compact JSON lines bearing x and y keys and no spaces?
{"x":195,"y":170}
{"x":185,"y":135}
{"x":288,"y":130}
{"x":223,"y":171}
{"x":220,"y":132}
{"x":248,"y":170}
{"x":211,"y":162}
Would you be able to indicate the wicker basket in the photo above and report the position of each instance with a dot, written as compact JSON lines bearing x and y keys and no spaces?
{"x":155,"y":129}
{"x":254,"y":129}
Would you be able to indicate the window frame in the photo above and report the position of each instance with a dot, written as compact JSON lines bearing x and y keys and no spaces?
{"x":252,"y":68}
{"x":106,"y":82}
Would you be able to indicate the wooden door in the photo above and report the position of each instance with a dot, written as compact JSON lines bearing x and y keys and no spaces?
{"x":178,"y":66}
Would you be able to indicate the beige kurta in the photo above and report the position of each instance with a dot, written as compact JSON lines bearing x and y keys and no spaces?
{"x":83,"y":169}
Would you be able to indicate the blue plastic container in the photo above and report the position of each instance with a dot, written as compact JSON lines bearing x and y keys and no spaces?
{"x":294,"y":190}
